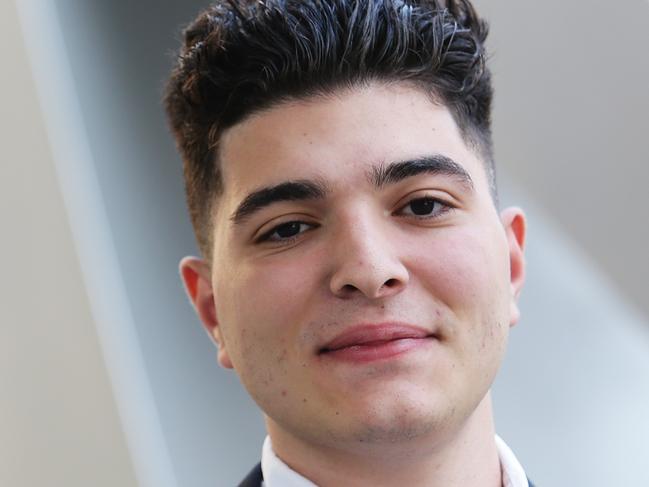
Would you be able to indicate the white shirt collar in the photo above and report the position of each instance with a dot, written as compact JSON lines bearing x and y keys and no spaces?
{"x":278,"y":474}
{"x":513,"y":473}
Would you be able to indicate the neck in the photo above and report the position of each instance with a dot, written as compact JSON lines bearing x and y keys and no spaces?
{"x":467,"y":457}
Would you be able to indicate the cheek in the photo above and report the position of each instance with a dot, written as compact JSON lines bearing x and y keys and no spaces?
{"x":462,"y":264}
{"x":467,"y":270}
{"x":274,"y":293}
{"x":260,"y":306}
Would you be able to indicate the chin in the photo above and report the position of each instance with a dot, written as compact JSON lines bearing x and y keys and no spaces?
{"x":403,"y":420}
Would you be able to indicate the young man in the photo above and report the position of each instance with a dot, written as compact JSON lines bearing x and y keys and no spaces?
{"x":356,"y":273}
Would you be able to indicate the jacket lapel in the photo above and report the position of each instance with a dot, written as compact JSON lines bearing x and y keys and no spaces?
{"x":254,"y":477}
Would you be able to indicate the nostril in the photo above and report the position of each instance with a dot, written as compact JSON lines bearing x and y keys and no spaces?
{"x":349,"y":288}
{"x":391,"y":283}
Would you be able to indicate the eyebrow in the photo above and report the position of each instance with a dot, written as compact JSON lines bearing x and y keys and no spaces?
{"x":287,"y":191}
{"x":380,"y":177}
{"x":434,"y":164}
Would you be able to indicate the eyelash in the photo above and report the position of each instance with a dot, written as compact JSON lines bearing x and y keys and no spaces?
{"x":266,"y":237}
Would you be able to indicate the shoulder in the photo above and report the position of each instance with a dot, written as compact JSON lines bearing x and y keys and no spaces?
{"x":254,"y":477}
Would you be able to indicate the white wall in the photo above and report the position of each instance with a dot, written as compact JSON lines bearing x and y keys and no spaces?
{"x":572,"y":396}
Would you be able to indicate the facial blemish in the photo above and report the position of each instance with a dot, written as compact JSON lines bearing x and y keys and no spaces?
{"x":282,"y":356}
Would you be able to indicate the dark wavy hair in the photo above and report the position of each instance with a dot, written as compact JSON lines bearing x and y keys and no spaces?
{"x":243,"y":56}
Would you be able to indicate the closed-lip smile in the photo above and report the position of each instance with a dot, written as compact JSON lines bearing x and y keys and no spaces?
{"x":369,"y":342}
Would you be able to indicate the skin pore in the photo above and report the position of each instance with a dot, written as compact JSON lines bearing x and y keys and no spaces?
{"x":363,"y":208}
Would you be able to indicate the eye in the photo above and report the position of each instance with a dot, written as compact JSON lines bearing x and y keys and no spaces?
{"x":425,"y":207}
{"x":286,"y":232}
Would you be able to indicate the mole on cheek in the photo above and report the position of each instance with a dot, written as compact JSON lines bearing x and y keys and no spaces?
{"x":282,"y":356}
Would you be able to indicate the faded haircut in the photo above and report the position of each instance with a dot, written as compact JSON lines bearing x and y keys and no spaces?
{"x":240,"y":57}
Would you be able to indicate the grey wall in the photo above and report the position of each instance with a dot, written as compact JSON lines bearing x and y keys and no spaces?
{"x":58,"y":420}
{"x":578,"y":360}
{"x":571,"y":123}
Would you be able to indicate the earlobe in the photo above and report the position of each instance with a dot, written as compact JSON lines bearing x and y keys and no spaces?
{"x":196,"y":276}
{"x":513,"y":220}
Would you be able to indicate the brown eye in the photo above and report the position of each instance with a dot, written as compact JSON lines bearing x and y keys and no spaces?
{"x":425,"y":208}
{"x":422,"y":206}
{"x":286,"y":232}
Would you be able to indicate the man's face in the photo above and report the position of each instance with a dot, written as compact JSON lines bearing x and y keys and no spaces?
{"x":371,"y":300}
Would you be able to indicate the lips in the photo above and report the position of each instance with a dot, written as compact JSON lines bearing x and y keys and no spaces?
{"x":376,"y":341}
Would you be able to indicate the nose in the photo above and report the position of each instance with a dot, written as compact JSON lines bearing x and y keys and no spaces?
{"x":366,"y":261}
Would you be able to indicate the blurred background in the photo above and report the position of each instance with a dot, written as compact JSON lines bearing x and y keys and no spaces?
{"x":107,"y":377}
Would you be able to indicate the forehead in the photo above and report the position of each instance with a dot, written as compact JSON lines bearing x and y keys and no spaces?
{"x":339,"y":137}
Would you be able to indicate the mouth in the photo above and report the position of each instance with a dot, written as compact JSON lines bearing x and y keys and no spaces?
{"x":366,"y":343}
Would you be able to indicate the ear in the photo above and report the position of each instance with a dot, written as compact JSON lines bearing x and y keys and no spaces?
{"x":196,"y":276}
{"x":513,"y":220}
